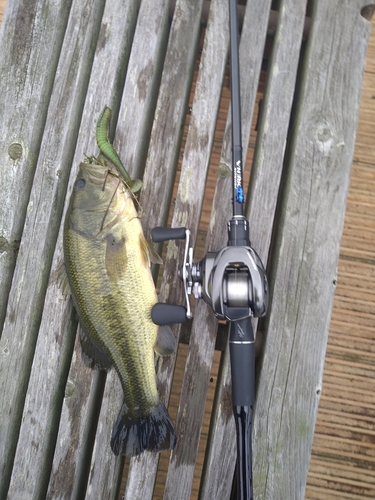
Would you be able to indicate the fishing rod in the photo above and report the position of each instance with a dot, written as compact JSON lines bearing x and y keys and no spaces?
{"x":232,"y":281}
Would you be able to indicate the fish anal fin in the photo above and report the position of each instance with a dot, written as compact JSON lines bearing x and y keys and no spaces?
{"x":92,"y":355}
{"x":165,"y":344}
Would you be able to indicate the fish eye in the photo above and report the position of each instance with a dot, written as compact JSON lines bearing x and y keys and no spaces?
{"x":80,"y":183}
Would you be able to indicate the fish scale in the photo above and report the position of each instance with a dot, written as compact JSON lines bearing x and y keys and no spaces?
{"x":107,"y":263}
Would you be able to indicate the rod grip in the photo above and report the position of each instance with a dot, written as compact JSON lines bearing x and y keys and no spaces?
{"x":242,"y":358}
{"x":163,"y":314}
{"x":243,"y":416}
{"x":159,"y":234}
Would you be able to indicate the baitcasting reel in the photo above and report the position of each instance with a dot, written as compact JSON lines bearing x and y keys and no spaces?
{"x":232,"y":281}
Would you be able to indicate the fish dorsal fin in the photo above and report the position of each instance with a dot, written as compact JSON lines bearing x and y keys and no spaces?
{"x":92,"y":355}
{"x":166,"y":343}
{"x":115,"y":256}
{"x":148,"y":252}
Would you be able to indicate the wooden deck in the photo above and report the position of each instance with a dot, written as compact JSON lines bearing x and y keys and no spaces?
{"x":343,"y":457}
{"x":342,"y":465}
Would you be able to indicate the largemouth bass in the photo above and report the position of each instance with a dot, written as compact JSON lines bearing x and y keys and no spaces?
{"x":107,"y":260}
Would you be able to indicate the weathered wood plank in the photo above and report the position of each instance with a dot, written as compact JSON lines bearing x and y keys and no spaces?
{"x":307,"y":247}
{"x":104,"y":467}
{"x":39,"y":236}
{"x":83,"y":450}
{"x":273,"y":124}
{"x":76,"y":430}
{"x":263,"y":194}
{"x":170,"y":113}
{"x":188,"y":207}
{"x":100,"y":72}
{"x":30,"y":41}
{"x":251,"y":50}
{"x":220,"y":455}
{"x":142,"y":85}
{"x":218,"y":470}
{"x":78,"y":433}
{"x":137,"y":112}
{"x":158,"y":181}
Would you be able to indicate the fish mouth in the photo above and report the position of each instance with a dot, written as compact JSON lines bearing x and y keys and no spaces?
{"x":101,"y":175}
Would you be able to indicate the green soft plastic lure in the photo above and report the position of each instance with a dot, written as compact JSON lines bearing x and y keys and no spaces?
{"x":107,"y":150}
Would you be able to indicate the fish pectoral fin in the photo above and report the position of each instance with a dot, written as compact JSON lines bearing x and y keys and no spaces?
{"x":60,"y":276}
{"x":92,"y":355}
{"x":148,"y":252}
{"x":115,"y":256}
{"x":166,"y":343}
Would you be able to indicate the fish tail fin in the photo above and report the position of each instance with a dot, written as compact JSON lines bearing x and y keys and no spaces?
{"x":133,"y":435}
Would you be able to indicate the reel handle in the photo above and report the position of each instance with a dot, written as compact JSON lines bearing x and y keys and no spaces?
{"x":163,"y":314}
{"x":159,"y":234}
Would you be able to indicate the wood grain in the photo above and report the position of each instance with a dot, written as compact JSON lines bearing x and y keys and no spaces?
{"x":262,"y":196}
{"x":26,"y":90}
{"x":82,"y":444}
{"x":158,"y":183}
{"x":187,"y":211}
{"x":304,"y":263}
{"x":44,"y":209}
{"x":56,"y":415}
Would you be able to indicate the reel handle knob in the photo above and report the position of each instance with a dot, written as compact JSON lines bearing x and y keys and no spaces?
{"x":163,"y":314}
{"x":159,"y":234}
